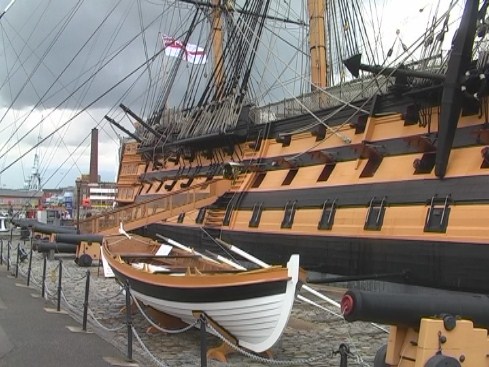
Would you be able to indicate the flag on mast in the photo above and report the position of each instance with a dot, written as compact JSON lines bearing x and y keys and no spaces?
{"x":189,"y":52}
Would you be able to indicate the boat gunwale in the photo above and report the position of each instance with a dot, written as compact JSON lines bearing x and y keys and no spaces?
{"x":203,"y":280}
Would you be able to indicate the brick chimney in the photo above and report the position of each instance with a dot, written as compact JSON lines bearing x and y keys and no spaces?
{"x":94,"y":157}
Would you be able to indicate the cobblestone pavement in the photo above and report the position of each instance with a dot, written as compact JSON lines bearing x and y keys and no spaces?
{"x":309,"y":340}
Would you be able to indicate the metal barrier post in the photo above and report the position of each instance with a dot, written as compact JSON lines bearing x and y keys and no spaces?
{"x":60,"y":274}
{"x":343,"y":351}
{"x":17,"y":261}
{"x":128,"y":322}
{"x":8,"y":255}
{"x":203,"y":341}
{"x":1,"y":252}
{"x":85,"y":304}
{"x":43,"y":286}
{"x":30,"y":265}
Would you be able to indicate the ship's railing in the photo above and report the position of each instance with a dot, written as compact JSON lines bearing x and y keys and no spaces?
{"x":165,"y":206}
{"x":215,"y":117}
{"x":332,"y":97}
{"x":338,"y":95}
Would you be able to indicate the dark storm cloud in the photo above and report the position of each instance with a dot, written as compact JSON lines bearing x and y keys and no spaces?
{"x":40,"y":41}
{"x":49,"y":49}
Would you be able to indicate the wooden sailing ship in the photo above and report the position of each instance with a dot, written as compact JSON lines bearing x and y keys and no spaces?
{"x":385,"y":175}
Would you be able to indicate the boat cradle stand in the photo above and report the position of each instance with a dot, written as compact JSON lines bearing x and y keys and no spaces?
{"x":163,"y":320}
{"x":221,"y":352}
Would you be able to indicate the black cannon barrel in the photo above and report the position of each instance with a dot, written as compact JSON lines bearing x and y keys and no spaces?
{"x":58,"y":247}
{"x":404,"y":309}
{"x":78,"y":238}
{"x":49,"y":229}
{"x":23,"y":222}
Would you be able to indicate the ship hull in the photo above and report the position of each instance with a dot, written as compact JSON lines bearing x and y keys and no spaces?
{"x":431,"y":263}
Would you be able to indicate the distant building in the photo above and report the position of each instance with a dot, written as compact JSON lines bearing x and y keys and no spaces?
{"x":95,"y":197}
{"x":102,"y":197}
{"x":19,"y":201}
{"x":59,"y":199}
{"x":92,"y":195}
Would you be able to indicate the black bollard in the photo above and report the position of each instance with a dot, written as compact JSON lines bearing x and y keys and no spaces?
{"x":60,"y":275}
{"x":30,"y":265}
{"x":1,"y":252}
{"x":128,"y":321}
{"x":203,"y":341}
{"x":8,"y":255}
{"x":344,"y":352}
{"x":10,"y":244}
{"x":17,"y":261}
{"x":85,"y":304}
{"x":43,"y":286}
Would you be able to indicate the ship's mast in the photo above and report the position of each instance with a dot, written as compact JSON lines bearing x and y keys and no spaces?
{"x":217,"y":42}
{"x":317,"y":43}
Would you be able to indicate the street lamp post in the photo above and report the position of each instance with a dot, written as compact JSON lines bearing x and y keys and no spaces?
{"x":78,"y":184}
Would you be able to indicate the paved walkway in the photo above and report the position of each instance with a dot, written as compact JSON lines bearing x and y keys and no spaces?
{"x":31,"y":336}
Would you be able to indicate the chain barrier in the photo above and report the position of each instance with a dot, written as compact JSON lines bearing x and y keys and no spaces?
{"x":70,"y":306}
{"x":169,"y":331}
{"x":97,"y":323}
{"x":49,"y":294}
{"x":23,"y":272}
{"x":53,"y":273}
{"x":357,"y":356}
{"x":104,"y":298}
{"x":261,"y":359}
{"x":34,"y":281}
{"x":92,"y":315}
{"x":146,"y":350}
{"x":74,"y":312}
{"x":69,"y":274}
{"x":101,"y":298}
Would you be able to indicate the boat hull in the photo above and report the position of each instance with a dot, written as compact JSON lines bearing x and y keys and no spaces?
{"x":253,"y":312}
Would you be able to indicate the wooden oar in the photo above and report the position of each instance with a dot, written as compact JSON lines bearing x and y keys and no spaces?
{"x":225,"y":260}
{"x":262,"y":264}
{"x":185,"y":248}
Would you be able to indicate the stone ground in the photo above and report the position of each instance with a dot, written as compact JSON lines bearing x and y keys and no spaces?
{"x":310,"y":339}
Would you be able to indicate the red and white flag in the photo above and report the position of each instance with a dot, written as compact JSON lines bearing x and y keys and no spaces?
{"x":190,"y":53}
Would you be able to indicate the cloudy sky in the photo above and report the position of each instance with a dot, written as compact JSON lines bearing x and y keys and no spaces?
{"x":65,"y":64}
{"x":62,"y":67}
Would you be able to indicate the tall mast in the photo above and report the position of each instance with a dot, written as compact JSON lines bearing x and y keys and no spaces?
{"x":317,"y":43}
{"x":217,"y":42}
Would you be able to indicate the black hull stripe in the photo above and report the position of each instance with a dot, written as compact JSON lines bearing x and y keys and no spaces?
{"x":474,"y":189}
{"x":456,"y":266}
{"x":200,"y":295}
{"x":464,"y":137}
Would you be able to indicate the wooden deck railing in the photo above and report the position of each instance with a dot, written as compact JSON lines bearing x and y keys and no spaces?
{"x":163,"y":207}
